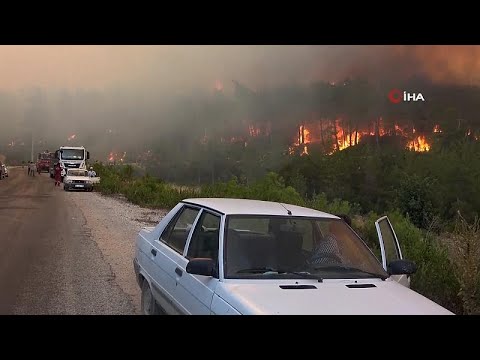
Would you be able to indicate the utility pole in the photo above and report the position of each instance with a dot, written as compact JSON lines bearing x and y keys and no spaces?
{"x":31,"y":155}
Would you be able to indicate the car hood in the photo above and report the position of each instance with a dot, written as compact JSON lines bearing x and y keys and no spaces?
{"x":330,"y":297}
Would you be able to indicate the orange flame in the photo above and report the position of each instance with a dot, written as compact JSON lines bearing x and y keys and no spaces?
{"x":398,"y":129}
{"x":346,"y":139}
{"x":419,"y":144}
{"x":303,"y":136}
{"x":436,"y":129}
{"x":305,"y":151}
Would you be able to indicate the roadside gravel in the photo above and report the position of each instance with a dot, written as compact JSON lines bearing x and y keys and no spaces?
{"x":114,"y":224}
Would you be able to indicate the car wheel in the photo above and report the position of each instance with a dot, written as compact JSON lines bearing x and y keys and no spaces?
{"x":65,"y":188}
{"x":149,"y":305}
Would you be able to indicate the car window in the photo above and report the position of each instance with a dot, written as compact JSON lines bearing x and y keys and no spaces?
{"x":389,"y":242}
{"x":305,"y":228}
{"x":258,"y":225}
{"x":176,"y":233}
{"x":205,"y":238}
{"x":327,"y":247}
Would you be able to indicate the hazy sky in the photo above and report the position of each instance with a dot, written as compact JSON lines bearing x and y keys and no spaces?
{"x":163,"y":67}
{"x":186,"y":67}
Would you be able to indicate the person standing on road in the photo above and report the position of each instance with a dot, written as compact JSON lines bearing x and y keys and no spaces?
{"x":58,"y":175}
{"x":32,"y":168}
{"x":91,"y":172}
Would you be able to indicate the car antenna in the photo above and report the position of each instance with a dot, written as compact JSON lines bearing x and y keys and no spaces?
{"x":288,"y":211}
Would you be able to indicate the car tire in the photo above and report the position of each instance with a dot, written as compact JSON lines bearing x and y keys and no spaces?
{"x":65,"y":188}
{"x":148,"y":304}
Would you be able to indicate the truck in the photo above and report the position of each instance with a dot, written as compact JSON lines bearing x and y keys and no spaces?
{"x":44,"y":160}
{"x":72,"y":157}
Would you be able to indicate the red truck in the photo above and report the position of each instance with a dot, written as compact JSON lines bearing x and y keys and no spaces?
{"x":43,"y":161}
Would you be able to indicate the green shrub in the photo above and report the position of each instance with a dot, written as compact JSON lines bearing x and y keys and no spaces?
{"x":434,"y":278}
{"x":337,"y":206}
{"x":438,"y":276}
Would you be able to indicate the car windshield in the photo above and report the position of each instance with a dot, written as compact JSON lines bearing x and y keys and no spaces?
{"x":77,"y":173}
{"x":72,"y":154}
{"x":263,"y":247}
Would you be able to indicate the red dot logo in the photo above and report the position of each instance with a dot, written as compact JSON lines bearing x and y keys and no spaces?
{"x":395,"y":96}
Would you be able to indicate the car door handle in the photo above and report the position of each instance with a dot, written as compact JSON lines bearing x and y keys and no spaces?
{"x":179,"y":271}
{"x":154,"y":252}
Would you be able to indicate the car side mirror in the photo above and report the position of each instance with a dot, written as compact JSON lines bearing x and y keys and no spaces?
{"x":401,"y":267}
{"x":88,"y":155}
{"x":201,"y":266}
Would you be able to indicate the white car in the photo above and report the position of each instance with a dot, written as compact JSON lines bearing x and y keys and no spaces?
{"x":234,"y":256}
{"x":77,"y":179}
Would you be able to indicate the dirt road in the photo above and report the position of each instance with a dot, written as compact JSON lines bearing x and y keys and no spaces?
{"x":64,"y":252}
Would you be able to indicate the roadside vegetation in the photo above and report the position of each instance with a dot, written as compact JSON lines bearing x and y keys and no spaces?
{"x":447,"y":255}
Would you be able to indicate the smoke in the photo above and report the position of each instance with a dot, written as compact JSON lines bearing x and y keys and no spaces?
{"x":130,"y":95}
{"x":180,"y":69}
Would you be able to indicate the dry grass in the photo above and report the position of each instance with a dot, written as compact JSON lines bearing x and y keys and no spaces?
{"x":463,"y":245}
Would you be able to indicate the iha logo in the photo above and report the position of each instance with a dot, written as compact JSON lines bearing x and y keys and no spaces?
{"x":396,"y":96}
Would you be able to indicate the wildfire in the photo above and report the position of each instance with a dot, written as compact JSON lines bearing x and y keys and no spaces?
{"x":419,"y":144}
{"x":328,"y":131}
{"x":399,"y":130}
{"x":305,"y":151}
{"x":112,"y":157}
{"x":345,"y":139}
{"x":303,"y":136}
{"x":254,"y":131}
{"x":436,"y":129}
{"x":71,"y":137}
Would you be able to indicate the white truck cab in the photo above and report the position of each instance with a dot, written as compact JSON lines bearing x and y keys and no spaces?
{"x":72,"y":157}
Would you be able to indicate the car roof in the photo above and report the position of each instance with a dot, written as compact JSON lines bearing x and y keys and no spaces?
{"x":255,"y":207}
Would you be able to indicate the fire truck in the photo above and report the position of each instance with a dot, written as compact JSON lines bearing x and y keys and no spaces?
{"x":44,"y":160}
